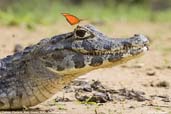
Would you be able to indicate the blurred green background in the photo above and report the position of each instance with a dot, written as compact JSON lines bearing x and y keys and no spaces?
{"x":46,"y":12}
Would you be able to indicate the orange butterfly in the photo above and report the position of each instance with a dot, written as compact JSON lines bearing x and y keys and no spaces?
{"x":72,"y":20}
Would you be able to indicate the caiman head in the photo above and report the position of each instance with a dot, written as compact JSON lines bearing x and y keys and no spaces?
{"x":86,"y":49}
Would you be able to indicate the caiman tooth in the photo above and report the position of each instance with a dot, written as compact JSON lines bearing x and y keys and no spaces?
{"x":97,"y":53}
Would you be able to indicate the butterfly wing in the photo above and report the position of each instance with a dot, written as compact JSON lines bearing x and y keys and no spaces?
{"x":71,"y":18}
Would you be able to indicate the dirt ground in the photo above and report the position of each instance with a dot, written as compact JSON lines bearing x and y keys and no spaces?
{"x":150,"y":74}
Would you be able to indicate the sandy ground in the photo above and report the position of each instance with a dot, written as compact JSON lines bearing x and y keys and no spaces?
{"x":142,"y":74}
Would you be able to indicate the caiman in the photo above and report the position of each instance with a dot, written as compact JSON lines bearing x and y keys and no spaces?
{"x":33,"y":75}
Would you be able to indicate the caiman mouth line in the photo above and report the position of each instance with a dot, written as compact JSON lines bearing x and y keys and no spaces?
{"x":116,"y":51}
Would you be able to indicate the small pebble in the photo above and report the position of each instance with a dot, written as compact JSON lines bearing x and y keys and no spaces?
{"x":164,"y":84}
{"x":138,"y":65}
{"x":159,"y":67}
{"x":61,"y":99}
{"x":169,"y":66}
{"x":151,"y":73}
{"x":131,"y":107}
{"x":166,"y":99}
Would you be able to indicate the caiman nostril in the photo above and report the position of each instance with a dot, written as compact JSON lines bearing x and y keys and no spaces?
{"x":143,"y":38}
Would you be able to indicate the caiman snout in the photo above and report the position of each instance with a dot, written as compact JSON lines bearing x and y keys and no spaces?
{"x":136,"y":44}
{"x":142,"y":38}
{"x":138,"y":41}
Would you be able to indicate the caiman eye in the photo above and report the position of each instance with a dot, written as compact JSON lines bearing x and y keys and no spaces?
{"x":81,"y":34}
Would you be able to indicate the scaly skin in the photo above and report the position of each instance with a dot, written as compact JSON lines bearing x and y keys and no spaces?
{"x":32,"y":76}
